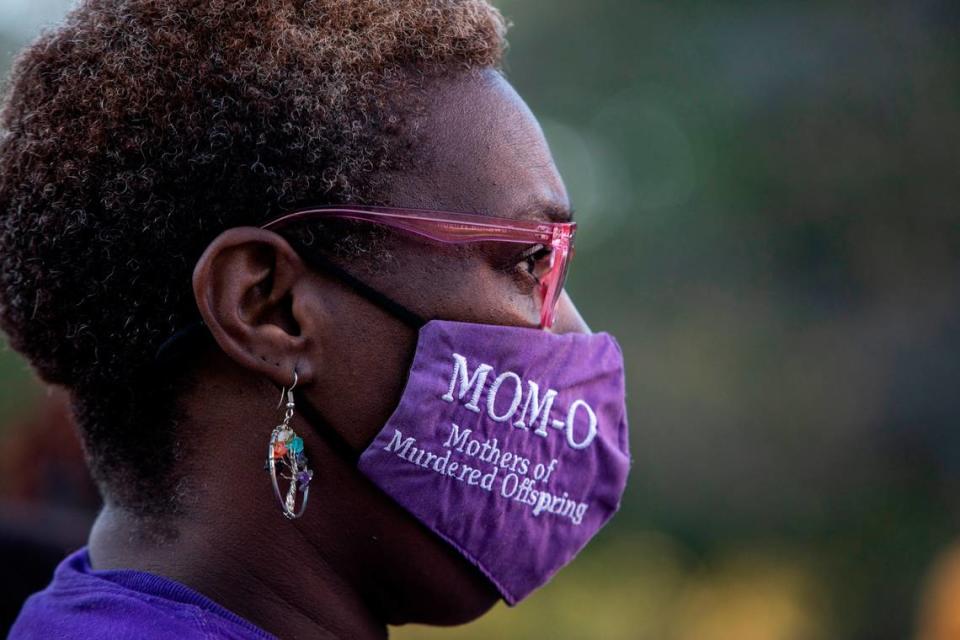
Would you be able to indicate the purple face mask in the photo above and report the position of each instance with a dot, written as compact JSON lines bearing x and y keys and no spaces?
{"x":510,"y":444}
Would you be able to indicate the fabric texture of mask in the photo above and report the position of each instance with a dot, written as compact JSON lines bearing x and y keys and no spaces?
{"x":509,"y":443}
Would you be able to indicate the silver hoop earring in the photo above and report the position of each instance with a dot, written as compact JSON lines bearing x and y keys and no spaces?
{"x":286,"y":449}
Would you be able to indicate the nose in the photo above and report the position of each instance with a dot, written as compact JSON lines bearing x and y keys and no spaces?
{"x":568,"y":319}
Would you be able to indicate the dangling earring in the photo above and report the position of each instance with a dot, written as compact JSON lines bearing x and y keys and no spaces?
{"x":286,"y":448}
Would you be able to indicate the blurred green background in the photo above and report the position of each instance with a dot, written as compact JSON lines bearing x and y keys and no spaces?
{"x":768,"y":198}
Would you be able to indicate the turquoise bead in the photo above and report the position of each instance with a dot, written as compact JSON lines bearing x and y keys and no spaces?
{"x":296,"y":445}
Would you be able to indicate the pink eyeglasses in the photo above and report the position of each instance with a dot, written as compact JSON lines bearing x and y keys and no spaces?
{"x":451,"y":227}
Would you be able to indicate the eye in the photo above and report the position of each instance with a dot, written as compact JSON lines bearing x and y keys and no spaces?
{"x":535,"y":261}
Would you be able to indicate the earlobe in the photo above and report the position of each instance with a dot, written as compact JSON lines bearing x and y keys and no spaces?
{"x":244,"y":287}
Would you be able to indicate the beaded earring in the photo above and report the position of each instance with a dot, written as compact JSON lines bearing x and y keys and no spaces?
{"x":286,"y":451}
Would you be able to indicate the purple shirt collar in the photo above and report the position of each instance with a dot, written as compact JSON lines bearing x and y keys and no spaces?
{"x":83,"y":602}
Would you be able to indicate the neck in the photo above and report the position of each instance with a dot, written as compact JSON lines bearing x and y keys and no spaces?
{"x":312,"y":599}
{"x":302,"y":578}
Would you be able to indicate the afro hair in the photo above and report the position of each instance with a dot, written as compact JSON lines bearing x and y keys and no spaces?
{"x":137,"y":130}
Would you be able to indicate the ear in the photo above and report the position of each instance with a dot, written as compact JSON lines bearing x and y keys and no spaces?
{"x":246,"y":284}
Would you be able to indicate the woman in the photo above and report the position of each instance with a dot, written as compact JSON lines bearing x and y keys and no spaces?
{"x":340,"y":204}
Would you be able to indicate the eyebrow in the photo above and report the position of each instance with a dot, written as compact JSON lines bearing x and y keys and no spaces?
{"x":552,"y":211}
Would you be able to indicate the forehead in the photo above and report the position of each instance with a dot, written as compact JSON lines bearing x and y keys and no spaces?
{"x":479,"y":148}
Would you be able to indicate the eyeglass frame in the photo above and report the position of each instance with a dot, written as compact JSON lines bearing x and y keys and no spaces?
{"x":452,"y":227}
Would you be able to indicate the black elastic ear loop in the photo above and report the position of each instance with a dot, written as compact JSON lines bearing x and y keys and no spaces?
{"x":389,"y":305}
{"x":194,"y":335}
{"x":394,"y":308}
{"x":330,"y":435}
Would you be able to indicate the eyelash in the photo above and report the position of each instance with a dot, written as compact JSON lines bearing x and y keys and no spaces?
{"x":530,"y":257}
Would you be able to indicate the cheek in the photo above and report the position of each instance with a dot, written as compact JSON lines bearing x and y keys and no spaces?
{"x":363,"y":368}
{"x":505,"y":298}
{"x":482,"y":288}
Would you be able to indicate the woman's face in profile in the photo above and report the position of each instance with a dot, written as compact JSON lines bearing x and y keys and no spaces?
{"x":238,"y":112}
{"x":480,"y":150}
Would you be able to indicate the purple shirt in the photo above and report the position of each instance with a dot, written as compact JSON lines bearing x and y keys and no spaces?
{"x":124,"y":604}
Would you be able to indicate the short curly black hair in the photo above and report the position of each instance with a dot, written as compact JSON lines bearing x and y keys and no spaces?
{"x":137,"y":130}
